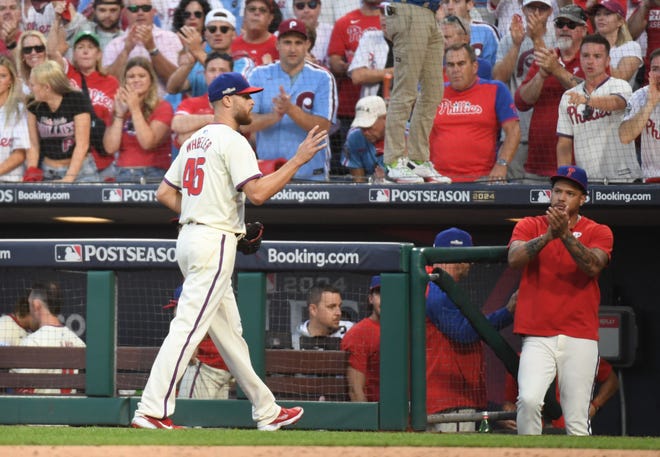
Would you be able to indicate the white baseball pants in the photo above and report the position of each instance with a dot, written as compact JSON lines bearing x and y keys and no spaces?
{"x":574,"y":362}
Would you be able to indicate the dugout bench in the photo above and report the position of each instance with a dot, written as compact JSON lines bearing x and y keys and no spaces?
{"x":290,"y":374}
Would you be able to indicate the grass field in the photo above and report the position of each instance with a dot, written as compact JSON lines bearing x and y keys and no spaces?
{"x":120,"y":436}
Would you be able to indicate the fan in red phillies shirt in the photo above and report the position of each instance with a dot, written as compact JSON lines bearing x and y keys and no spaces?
{"x":552,"y":71}
{"x":466,"y":128}
{"x":195,"y":112}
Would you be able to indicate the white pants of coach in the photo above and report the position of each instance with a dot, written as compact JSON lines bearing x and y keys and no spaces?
{"x":574,"y":362}
{"x":202,"y":381}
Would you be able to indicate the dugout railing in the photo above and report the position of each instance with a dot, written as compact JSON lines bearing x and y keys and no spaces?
{"x":421,"y":262}
{"x":105,"y":264}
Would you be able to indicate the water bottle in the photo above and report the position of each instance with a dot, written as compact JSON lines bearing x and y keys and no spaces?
{"x":484,"y":427}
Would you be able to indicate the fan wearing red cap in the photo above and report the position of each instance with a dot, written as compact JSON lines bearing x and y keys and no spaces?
{"x":297,"y":95}
{"x":609,"y":18}
{"x":561,"y":255}
{"x":215,"y":170}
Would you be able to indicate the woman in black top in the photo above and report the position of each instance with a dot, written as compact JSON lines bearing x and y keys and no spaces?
{"x":59,"y":124}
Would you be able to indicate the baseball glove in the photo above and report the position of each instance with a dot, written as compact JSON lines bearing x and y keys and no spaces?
{"x":251,"y":242}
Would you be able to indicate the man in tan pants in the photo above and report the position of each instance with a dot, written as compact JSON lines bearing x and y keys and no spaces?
{"x":418,"y":52}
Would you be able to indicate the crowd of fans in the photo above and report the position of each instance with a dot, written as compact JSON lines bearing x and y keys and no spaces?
{"x":108,"y":90}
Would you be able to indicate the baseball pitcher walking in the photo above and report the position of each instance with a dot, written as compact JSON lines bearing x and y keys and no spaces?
{"x":207,"y":184}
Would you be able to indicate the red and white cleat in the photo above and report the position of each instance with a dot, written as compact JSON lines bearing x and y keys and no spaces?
{"x":287,"y":416}
{"x":140,"y":421}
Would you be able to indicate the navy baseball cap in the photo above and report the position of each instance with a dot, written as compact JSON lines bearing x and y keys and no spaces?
{"x":375,"y":283}
{"x":572,"y":173}
{"x":452,"y":238}
{"x":230,"y":83}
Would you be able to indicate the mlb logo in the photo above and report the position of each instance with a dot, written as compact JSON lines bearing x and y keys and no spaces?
{"x":113,"y":195}
{"x":68,"y":253}
{"x":540,"y":195}
{"x":379,"y":195}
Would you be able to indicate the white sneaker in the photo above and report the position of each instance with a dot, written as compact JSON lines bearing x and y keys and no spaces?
{"x":428,"y":172}
{"x":400,"y":172}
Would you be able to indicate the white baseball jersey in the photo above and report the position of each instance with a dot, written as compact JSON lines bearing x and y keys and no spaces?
{"x":42,"y":21}
{"x":627,"y":49}
{"x":303,"y":330}
{"x":231,"y":161}
{"x":13,"y":135}
{"x":11,"y":333}
{"x":50,"y":336}
{"x":596,"y":143}
{"x":650,"y":134}
{"x":505,"y":9}
{"x":523,"y":63}
{"x":371,"y":53}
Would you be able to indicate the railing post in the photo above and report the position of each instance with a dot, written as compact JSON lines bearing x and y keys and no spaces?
{"x":418,"y":283}
{"x":394,"y":350}
{"x":252,"y":307}
{"x":101,"y":334}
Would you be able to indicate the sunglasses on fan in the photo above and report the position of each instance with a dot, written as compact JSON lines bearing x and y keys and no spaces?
{"x":38,"y":49}
{"x":189,"y":14}
{"x":136,"y":8}
{"x":214,"y":28}
{"x":560,"y":24}
{"x":313,"y":4}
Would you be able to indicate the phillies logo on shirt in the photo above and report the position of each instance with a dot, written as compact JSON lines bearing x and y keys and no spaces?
{"x":354,"y":31}
{"x":54,"y":128}
{"x":305,"y":100}
{"x":41,"y":28}
{"x":478,"y":48}
{"x":524,"y":62}
{"x":458,"y":108}
{"x":651,"y":130}
{"x":578,"y":117}
{"x":6,"y":142}
{"x":100,"y":98}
